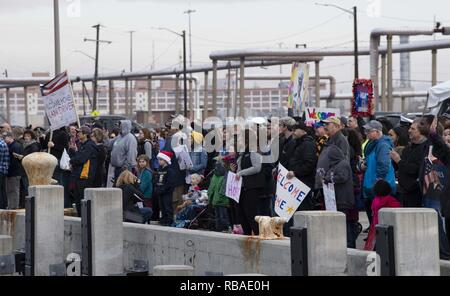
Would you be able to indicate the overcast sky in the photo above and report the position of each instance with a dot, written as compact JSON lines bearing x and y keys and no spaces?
{"x":26,"y":30}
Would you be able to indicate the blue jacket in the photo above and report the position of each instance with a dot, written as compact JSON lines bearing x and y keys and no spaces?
{"x":199,"y":162}
{"x":146,"y":184}
{"x":379,"y":165}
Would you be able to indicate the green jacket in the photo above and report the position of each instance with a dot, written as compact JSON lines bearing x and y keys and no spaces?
{"x":215,"y":195}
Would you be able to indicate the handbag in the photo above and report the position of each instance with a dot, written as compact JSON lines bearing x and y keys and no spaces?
{"x":64,"y":163}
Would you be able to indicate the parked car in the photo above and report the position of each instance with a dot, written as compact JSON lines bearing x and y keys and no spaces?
{"x":109,"y":122}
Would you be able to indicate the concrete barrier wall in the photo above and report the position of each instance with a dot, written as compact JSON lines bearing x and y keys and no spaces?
{"x":205,"y":251}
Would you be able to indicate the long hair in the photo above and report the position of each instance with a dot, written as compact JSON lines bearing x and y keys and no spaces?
{"x":126,"y":177}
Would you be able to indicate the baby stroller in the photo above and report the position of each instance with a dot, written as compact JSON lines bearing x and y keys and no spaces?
{"x":204,"y":219}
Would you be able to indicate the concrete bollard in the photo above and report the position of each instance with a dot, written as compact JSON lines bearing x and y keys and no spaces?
{"x":6,"y":248}
{"x":326,"y":241}
{"x":363,"y":263}
{"x":106,"y":230}
{"x":416,"y":241}
{"x":48,"y":220}
{"x":173,"y":270}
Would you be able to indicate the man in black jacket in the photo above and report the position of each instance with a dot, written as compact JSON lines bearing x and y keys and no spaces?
{"x":84,"y":164}
{"x":286,"y":142}
{"x":302,"y":164}
{"x":410,"y":163}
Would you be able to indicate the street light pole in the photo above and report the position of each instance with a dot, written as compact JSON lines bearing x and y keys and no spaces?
{"x":188,"y":12}
{"x":182,"y":35}
{"x":184,"y":73}
{"x":355,"y":31}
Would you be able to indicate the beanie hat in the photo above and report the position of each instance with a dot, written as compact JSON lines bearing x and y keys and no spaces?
{"x":165,"y":155}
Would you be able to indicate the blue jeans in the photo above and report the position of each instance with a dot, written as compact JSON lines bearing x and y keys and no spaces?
{"x":222,"y":220}
{"x":146,"y":213}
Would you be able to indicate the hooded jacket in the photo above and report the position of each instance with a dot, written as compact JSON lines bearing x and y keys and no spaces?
{"x":409,"y":166}
{"x":124,"y":148}
{"x":88,"y":151}
{"x":304,"y":160}
{"x":340,"y":173}
{"x":379,"y":165}
{"x":442,"y":152}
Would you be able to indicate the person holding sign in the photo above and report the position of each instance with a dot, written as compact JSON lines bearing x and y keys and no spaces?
{"x":249,"y":168}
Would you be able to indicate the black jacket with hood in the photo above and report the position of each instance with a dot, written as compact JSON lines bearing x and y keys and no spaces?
{"x":88,"y":151}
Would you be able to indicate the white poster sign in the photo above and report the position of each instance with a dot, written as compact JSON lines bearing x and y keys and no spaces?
{"x":233,"y":187}
{"x":329,"y":196}
{"x":289,"y":195}
{"x":58,"y":102}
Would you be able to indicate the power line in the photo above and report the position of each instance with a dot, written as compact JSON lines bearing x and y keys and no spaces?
{"x":272,"y":40}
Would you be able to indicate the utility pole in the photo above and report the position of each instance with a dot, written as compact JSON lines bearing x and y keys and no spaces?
{"x":131,"y":70}
{"x":188,"y":12}
{"x":355,"y":32}
{"x":8,"y":106}
{"x":153,"y":54}
{"x":56,"y":37}
{"x":97,"y":41}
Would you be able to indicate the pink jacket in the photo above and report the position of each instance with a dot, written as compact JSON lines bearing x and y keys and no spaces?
{"x":378,"y":203}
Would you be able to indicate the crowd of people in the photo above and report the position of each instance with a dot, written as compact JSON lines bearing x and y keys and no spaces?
{"x":167,"y":175}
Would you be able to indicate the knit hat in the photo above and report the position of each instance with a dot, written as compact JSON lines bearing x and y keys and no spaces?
{"x":165,"y":155}
{"x":197,"y":137}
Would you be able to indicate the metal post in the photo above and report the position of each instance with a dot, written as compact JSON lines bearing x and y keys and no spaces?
{"x":205,"y":97}
{"x":126,"y":97}
{"x":403,"y":104}
{"x":191,"y":101}
{"x":433,"y":67}
{"x":317,"y":82}
{"x":383,"y":83}
{"x":355,"y":28}
{"x":229,"y":93}
{"x":94,"y":100}
{"x":241,"y":87}
{"x":84,"y":98}
{"x":184,"y":74}
{"x":8,"y":106}
{"x":389,"y":73}
{"x":214,"y":89}
{"x":25,"y":98}
{"x":149,"y":99}
{"x":111,"y":97}
{"x":235,"y":94}
{"x":177,"y":94}
{"x":56,"y":37}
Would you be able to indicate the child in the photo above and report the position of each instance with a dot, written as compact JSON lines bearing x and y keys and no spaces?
{"x":164,"y":187}
{"x":145,"y":180}
{"x":383,"y":199}
{"x":219,"y":200}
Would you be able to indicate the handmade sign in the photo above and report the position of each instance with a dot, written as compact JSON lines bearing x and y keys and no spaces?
{"x":329,"y":196}
{"x":233,"y":186}
{"x":298,"y":88}
{"x":314,"y":115}
{"x":362,"y":102}
{"x":289,"y":195}
{"x":58,"y":102}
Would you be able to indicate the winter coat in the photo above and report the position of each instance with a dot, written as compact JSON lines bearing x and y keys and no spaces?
{"x":340,"y":173}
{"x":146,"y":184}
{"x":15,"y":167}
{"x":287,"y":151}
{"x":164,"y":181}
{"x":379,"y":165}
{"x":378,"y":203}
{"x":129,"y":198}
{"x":88,"y":151}
{"x":61,"y":140}
{"x":442,"y":152}
{"x":124,"y":149}
{"x":409,"y":166}
{"x":304,"y":160}
{"x":178,"y":174}
{"x":31,"y":147}
{"x":341,"y":142}
{"x":215,"y":193}
{"x":100,"y":171}
{"x":249,"y":168}
{"x":145,"y":148}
